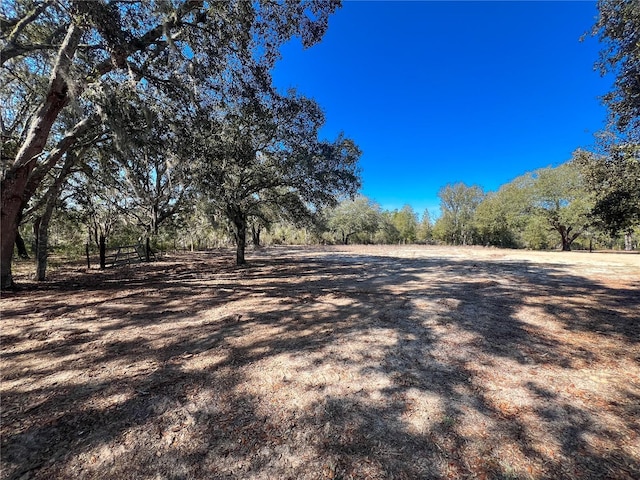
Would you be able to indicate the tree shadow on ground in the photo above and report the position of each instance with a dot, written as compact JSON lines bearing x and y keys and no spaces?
{"x":391,"y":368}
{"x":484,"y":305}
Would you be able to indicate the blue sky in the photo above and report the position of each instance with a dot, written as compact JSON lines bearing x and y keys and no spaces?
{"x":445,"y":92}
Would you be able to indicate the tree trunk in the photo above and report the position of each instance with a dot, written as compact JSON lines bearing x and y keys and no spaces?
{"x":628,"y":241}
{"x":13,"y":186}
{"x":42,"y":244}
{"x":564,"y":232}
{"x":36,"y":232}
{"x":241,"y":239}
{"x":103,"y":252}
{"x":570,"y":238}
{"x":10,"y":211}
{"x":155,"y":219}
{"x":240,"y":248}
{"x":22,"y":248}
{"x":255,"y":235}
{"x":239,"y":223}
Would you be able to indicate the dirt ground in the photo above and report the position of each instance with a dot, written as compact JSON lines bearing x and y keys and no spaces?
{"x":327,"y":363}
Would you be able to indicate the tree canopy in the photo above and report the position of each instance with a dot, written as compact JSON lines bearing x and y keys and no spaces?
{"x":141,"y":115}
{"x":265,"y":154}
{"x":559,"y":197}
{"x":612,"y":172}
{"x":353,"y":217}
{"x":618,"y":29}
{"x":63,"y":60}
{"x":458,"y":203}
{"x":526,"y":210}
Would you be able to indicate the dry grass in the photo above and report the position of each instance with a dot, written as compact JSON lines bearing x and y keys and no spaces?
{"x":335,"y":363}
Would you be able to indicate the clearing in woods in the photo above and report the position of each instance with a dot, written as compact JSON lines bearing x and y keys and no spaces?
{"x":327,"y":362}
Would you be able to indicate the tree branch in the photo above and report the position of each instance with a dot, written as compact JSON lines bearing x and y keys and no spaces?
{"x":57,"y":98}
{"x":26,"y":20}
{"x":13,"y":51}
{"x":38,"y":174}
{"x":151,"y":37}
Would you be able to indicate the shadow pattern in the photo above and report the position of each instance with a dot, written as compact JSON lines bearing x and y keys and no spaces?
{"x":312,"y":364}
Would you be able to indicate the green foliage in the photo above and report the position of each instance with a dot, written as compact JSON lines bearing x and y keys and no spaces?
{"x":283,"y":233}
{"x":614,"y":176}
{"x":559,"y":196}
{"x":424,"y":231}
{"x":537,"y":210}
{"x":66,"y":64}
{"x":618,"y":29}
{"x":614,"y":181}
{"x":386,"y":231}
{"x":492,"y":224}
{"x":536,"y":234}
{"x":406,"y":223}
{"x":359,"y":216}
{"x":259,"y":159}
{"x":458,"y":203}
{"x":67,"y":235}
{"x":195,"y":230}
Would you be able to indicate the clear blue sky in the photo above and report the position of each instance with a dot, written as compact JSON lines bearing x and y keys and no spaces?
{"x":442,"y":92}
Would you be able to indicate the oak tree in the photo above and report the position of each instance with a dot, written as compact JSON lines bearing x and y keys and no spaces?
{"x":354,"y":216}
{"x":263,"y":152}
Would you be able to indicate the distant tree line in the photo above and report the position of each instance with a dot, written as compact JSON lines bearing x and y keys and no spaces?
{"x":550,"y":208}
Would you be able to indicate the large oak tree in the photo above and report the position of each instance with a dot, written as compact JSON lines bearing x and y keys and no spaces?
{"x":263,"y":152}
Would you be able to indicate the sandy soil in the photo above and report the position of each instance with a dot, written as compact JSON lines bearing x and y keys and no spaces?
{"x":327,"y":363}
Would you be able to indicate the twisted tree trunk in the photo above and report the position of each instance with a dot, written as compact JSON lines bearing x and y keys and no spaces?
{"x":14,"y":184}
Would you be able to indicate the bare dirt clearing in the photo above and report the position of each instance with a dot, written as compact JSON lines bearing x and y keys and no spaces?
{"x":341,"y":362}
